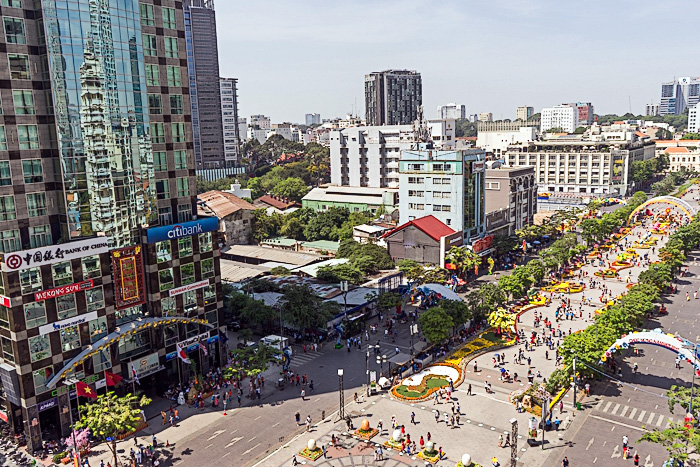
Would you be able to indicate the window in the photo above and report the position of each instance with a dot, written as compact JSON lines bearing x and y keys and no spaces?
{"x":147,"y":16}
{"x":184,"y":246}
{"x":66,"y":306}
{"x":416,"y":180}
{"x":187,"y":274}
{"x":35,"y":314}
{"x":24,"y":102}
{"x":7,"y":208}
{"x":163,"y":251}
{"x":5,"y":175}
{"x":168,"y":18}
{"x":70,"y":338}
{"x":178,"y":132}
{"x":160,"y":161}
{"x":162,"y":189}
{"x":8,"y":352}
{"x":165,"y":216}
{"x":62,"y":273}
{"x":205,"y":242}
{"x":30,"y":280}
{"x":40,"y":236}
{"x":207,"y":268}
{"x":442,"y":208}
{"x":210,"y":297}
{"x":12,"y":3}
{"x":416,"y":193}
{"x":173,"y":76}
{"x":19,"y":66}
{"x":416,"y":206}
{"x":95,"y":298}
{"x":493,"y":185}
{"x":165,"y":277}
{"x":441,"y":181}
{"x":152,"y":75}
{"x":33,"y":173}
{"x":189,"y":302}
{"x":150,"y":48}
{"x":171,"y":47}
{"x":415,"y":167}
{"x":442,"y":194}
{"x":3,"y":139}
{"x":176,"y":104}
{"x":183,"y":186}
{"x":167,"y":305}
{"x":128,"y":314}
{"x":9,"y":241}
{"x":28,"y":137}
{"x":157,"y":133}
{"x":184,"y":212}
{"x":14,"y":30}
{"x":170,"y":334}
{"x":101,"y":361}
{"x":442,"y":167}
{"x":155,"y":105}
{"x":91,"y":267}
{"x":39,"y":347}
{"x":180,"y":159}
{"x":36,"y":204}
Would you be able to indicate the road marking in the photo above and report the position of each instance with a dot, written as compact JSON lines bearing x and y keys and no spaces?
{"x":234,"y":441}
{"x":258,"y":417}
{"x":595,"y":459}
{"x":208,"y":446}
{"x":651,"y":418}
{"x":641,"y":415}
{"x":590,"y":443}
{"x":633,"y":412}
{"x":275,"y":424}
{"x":624,"y":411}
{"x":631,"y":427}
{"x":607,"y":406}
{"x":661,"y":419}
{"x":616,"y":452}
{"x":226,"y":454}
{"x":614,"y":411}
{"x":648,"y":462}
{"x":232,"y":432}
{"x":251,"y":439}
{"x":216,"y":433}
{"x":248,"y":451}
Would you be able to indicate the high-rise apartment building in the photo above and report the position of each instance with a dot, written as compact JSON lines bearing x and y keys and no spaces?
{"x":586,"y":113}
{"x":452,"y":111}
{"x":678,"y":95}
{"x":563,"y":117}
{"x":485,"y":117}
{"x":524,"y":113}
{"x":313,"y":119}
{"x":205,"y":94}
{"x":651,"y":110}
{"x":392,"y":97}
{"x":229,"y":115}
{"x":98,"y":237}
{"x":694,"y":119}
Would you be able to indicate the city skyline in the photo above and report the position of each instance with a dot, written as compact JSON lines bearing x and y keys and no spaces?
{"x":325,"y":55}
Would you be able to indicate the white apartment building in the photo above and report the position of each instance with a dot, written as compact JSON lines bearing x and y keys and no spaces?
{"x":452,"y":111}
{"x":442,"y":132}
{"x":229,"y":117}
{"x":369,"y":155}
{"x":485,"y":117}
{"x":242,"y":127}
{"x":596,"y":162}
{"x":260,"y":121}
{"x":495,"y":137}
{"x":694,"y":119}
{"x":524,"y":113}
{"x":560,"y":116}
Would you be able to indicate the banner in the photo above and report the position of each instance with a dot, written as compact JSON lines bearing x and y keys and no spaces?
{"x":127,"y":269}
{"x":64,"y":290}
{"x":187,"y":288}
{"x":26,"y":259}
{"x":186,"y":229}
{"x":66,"y":323}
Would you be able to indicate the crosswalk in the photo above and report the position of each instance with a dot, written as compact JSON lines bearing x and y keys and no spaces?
{"x":645,"y":417}
{"x":301,"y":358}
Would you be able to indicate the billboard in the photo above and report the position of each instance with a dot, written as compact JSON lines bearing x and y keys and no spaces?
{"x":187,"y":288}
{"x":185,"y":229}
{"x":67,"y":323}
{"x":20,"y":260}
{"x":63,"y":290}
{"x":127,"y":269}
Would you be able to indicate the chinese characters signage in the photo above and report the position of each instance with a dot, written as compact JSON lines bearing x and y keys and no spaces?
{"x":20,"y":260}
{"x":129,"y":287}
{"x":63,"y":290}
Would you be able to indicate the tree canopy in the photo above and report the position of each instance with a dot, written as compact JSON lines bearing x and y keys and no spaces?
{"x":435,"y":324}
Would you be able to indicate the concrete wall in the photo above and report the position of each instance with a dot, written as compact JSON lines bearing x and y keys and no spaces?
{"x":413,"y":243}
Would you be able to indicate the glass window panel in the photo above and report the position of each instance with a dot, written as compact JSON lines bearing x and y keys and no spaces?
{"x":155,"y":105}
{"x":176,"y":106}
{"x":167,"y":305}
{"x":207,"y":268}
{"x":28,"y":136}
{"x":163,"y":251}
{"x":8,"y":352}
{"x":128,"y":314}
{"x":146,"y":14}
{"x":36,"y":204}
{"x":171,"y":50}
{"x":160,"y":161}
{"x":70,"y":338}
{"x":173,"y":76}
{"x":95,"y":298}
{"x":165,"y":278}
{"x":169,"y":18}
{"x":35,"y":314}
{"x":134,"y":344}
{"x":5,"y":175}
{"x":3,"y":139}
{"x":32,"y":171}
{"x":4,"y":315}
{"x":39,"y":347}
{"x":40,"y":378}
{"x":189,"y":301}
{"x":187,"y":274}
{"x":62,"y":273}
{"x":170,"y":334}
{"x":91,"y":267}
{"x":184,"y":212}
{"x":66,"y":306}
{"x":162,"y":189}
{"x":149,"y":45}
{"x":24,"y":102}
{"x":102,"y":361}
{"x":19,"y":66}
{"x":152,"y":75}
{"x":209,"y":294}
{"x":7,"y":208}
{"x":205,"y":242}
{"x":178,"y":132}
{"x":180,"y":159}
{"x":40,"y":236}
{"x":14,"y":30}
{"x":212,"y":318}
{"x":10,"y":241}
{"x":30,"y":280}
{"x":184,"y":246}
{"x":165,"y":216}
{"x":183,"y":186}
{"x":12,"y":3}
{"x":157,"y":133}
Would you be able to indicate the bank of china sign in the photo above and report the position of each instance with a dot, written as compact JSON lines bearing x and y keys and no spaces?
{"x":21,"y":260}
{"x":186,"y":229}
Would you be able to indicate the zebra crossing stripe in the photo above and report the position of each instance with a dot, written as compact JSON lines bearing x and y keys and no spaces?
{"x":660,"y":420}
{"x":641,"y":415}
{"x":634,"y":411}
{"x":624,"y":411}
{"x":614,"y":411}
{"x":607,"y":406}
{"x":651,"y":418}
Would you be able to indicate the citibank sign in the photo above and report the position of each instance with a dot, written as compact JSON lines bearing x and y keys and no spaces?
{"x":185,"y":229}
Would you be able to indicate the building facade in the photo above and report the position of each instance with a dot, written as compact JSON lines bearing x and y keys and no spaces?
{"x":313,"y":119}
{"x":393,"y":97}
{"x":678,"y":95}
{"x":496,"y":137}
{"x":452,"y":111}
{"x":446,"y":184}
{"x":485,"y":117}
{"x":425,"y":240}
{"x":564,"y":117}
{"x":586,"y":112}
{"x":511,"y":198}
{"x":356,"y":199}
{"x":97,"y":204}
{"x":651,"y":110}
{"x":694,"y":119}
{"x":683,"y":159}
{"x":524,"y":113}
{"x":228,"y":88}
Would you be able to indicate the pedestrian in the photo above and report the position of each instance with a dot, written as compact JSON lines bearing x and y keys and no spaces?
{"x":421,"y":442}
{"x":475,"y":370}
{"x":311,"y":385}
{"x":380,"y":454}
{"x":565,"y":462}
{"x":469,"y":389}
{"x":303,"y":395}
{"x":447,"y":419}
{"x":413,"y":418}
{"x":458,"y":409}
{"x":323,"y":448}
{"x":457,"y":419}
{"x":428,"y":436}
{"x":162,"y":415}
{"x":500,"y":441}
{"x":380,"y":426}
{"x":452,"y":421}
{"x":297,"y":417}
{"x":625,"y":440}
{"x":296,"y":462}
{"x":507,"y":440}
{"x":636,"y":458}
{"x":437,"y":416}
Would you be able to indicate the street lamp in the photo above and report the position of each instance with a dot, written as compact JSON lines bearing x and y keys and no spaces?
{"x":70,"y":382}
{"x":381,"y":360}
{"x":367,"y":363}
{"x":413,"y":328}
{"x":341,"y":412}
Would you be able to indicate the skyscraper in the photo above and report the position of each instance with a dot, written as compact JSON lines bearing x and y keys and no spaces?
{"x":524,"y":113}
{"x":97,"y":196}
{"x":313,"y":119}
{"x":678,"y":95}
{"x":229,"y":114}
{"x":452,"y":111}
{"x":392,"y":97}
{"x":205,"y":95}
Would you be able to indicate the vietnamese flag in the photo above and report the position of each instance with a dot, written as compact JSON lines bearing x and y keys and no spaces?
{"x":85,"y":390}
{"x":111,"y":379}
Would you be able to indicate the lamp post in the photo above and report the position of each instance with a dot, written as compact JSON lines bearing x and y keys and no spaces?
{"x":413,"y":328}
{"x":70,"y":382}
{"x":381,"y":360}
{"x":344,"y":289}
{"x":367,"y":363}
{"x":341,"y":411}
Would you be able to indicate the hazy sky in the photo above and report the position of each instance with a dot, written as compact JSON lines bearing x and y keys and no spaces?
{"x":297,"y":57}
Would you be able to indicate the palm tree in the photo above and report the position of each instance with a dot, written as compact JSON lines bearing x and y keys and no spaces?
{"x":464,"y":259}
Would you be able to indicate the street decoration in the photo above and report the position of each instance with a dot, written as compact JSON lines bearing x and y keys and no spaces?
{"x":684,"y":206}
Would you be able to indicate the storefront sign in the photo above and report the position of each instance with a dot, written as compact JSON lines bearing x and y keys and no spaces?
{"x":46,"y":405}
{"x":66,"y":323}
{"x":187,"y":288}
{"x":478,"y":166}
{"x":64,"y":290}
{"x":146,"y":364}
{"x":127,"y":269}
{"x":4,"y":417}
{"x":25,"y":259}
{"x":482,"y":244}
{"x":186,"y":229}
{"x":192,"y":343}
{"x":170,"y":356}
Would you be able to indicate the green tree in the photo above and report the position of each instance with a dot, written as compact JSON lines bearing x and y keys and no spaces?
{"x":340,"y":272}
{"x":265,"y":226}
{"x":580,"y":130}
{"x":389,"y":300}
{"x":502,"y":320}
{"x":292,"y":227}
{"x":321,"y":226}
{"x":680,"y":442}
{"x":664,"y":134}
{"x":512,"y":285}
{"x":110,"y":415}
{"x":681,"y":395}
{"x":256,"y":312}
{"x":291,"y":188}
{"x":464,"y":259}
{"x":695,"y":136}
{"x":435,"y":324}
{"x":458,"y":311}
{"x":302,"y":308}
{"x":280,"y":271}
{"x":250,"y":361}
{"x":658,"y":275}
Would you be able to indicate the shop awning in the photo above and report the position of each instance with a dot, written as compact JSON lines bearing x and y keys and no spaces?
{"x":446,"y":292}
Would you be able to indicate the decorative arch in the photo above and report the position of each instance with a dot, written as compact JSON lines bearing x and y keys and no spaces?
{"x":682,"y":347}
{"x":684,"y":206}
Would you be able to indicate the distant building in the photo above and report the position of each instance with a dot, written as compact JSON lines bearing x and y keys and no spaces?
{"x":235,"y":215}
{"x":231,"y":127}
{"x":694,"y":119}
{"x":586,"y":112}
{"x":473,"y":117}
{"x":425,"y":240}
{"x":524,"y":113}
{"x":313,"y":119}
{"x":446,"y":184}
{"x":242,"y":128}
{"x":260,"y":121}
{"x":485,"y":117}
{"x":442,"y":132}
{"x":495,"y":137}
{"x":356,"y":199}
{"x":369,"y":233}
{"x":452,"y":111}
{"x":236,"y":190}
{"x":564,"y":117}
{"x":683,"y":159}
{"x":511,"y":198}
{"x":678,"y":95}
{"x":652,"y":110}
{"x":276,"y":204}
{"x":392,"y":97}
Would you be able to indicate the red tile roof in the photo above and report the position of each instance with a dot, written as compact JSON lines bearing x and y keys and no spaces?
{"x":430,"y":225}
{"x":677,"y":150}
{"x":278,"y":203}
{"x":221,"y":203}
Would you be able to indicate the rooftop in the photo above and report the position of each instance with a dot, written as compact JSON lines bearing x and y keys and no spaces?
{"x":312,"y":269}
{"x":220,"y":204}
{"x":430,"y":225}
{"x":281,"y":241}
{"x":319,"y":194}
{"x":234,"y":271}
{"x":276,"y":202}
{"x":327,"y":245}
{"x":676,"y":150}
{"x":270,"y":254}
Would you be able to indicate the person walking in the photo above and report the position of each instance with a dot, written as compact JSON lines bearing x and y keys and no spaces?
{"x":625,"y":441}
{"x":303,"y":394}
{"x":297,"y":417}
{"x":413,"y":418}
{"x":636,"y":458}
{"x":500,"y":441}
{"x":565,"y":462}
{"x":437,"y":416}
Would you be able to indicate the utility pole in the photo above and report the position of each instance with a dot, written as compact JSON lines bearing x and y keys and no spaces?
{"x":574,"y":411}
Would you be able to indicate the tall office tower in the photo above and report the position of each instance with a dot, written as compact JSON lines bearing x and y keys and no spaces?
{"x":651,"y":110}
{"x":203,"y":69}
{"x":451,"y":111}
{"x":97,"y":197}
{"x":524,"y":113}
{"x":313,"y":119}
{"x":392,"y":97}
{"x":229,"y":114}
{"x":678,"y":95}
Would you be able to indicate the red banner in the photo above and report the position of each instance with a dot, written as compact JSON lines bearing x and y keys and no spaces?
{"x":63,"y":290}
{"x":127,"y":269}
{"x":482,"y":244}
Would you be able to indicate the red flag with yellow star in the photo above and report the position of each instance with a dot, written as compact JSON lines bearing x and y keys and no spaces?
{"x":84,"y":390}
